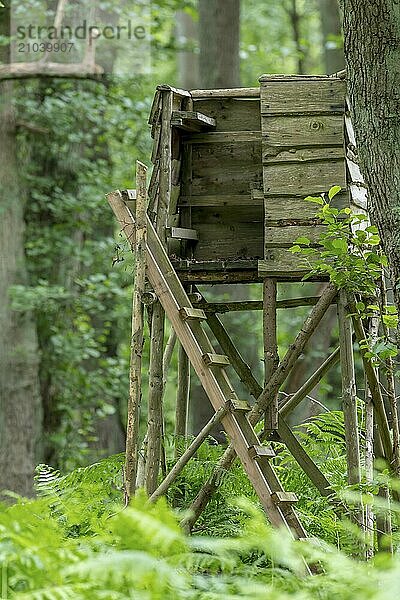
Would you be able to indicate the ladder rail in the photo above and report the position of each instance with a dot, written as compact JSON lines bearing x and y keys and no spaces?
{"x":214,"y":379}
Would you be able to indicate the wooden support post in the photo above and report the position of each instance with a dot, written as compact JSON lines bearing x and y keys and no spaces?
{"x":182,"y":398}
{"x":208,"y":489}
{"x":369,"y":471}
{"x":135,"y":372}
{"x":154,"y":427}
{"x":169,"y":349}
{"x":293,"y":353}
{"x":271,"y":357}
{"x":187,"y":455}
{"x":374,"y":387}
{"x":227,"y":459}
{"x":349,"y":394}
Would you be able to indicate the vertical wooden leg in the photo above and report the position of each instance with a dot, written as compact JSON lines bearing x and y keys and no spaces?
{"x":135,"y":371}
{"x":154,"y":427}
{"x":271,"y":358}
{"x":369,"y":471}
{"x":349,"y":392}
{"x":182,"y":398}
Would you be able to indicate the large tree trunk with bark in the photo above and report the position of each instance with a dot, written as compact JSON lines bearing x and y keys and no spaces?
{"x":372,"y":49}
{"x":20,"y":401}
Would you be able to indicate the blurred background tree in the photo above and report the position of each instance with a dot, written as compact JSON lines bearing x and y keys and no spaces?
{"x":64,"y":305}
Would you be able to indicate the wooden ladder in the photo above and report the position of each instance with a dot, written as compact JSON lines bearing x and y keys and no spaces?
{"x":188,"y":323}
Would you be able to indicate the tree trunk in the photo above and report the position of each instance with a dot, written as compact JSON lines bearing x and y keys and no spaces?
{"x":219,"y":28}
{"x":331,"y":31}
{"x":188,"y":60}
{"x":20,"y":402}
{"x":372,"y":50}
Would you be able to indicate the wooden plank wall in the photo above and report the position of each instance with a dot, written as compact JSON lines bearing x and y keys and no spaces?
{"x":302,"y":122}
{"x":221,"y":168}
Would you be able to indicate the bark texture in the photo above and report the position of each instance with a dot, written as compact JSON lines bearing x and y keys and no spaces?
{"x":219,"y":24}
{"x":20,"y":401}
{"x":372,"y":49}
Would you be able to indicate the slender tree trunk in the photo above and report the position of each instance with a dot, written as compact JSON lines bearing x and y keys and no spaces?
{"x":331,"y":31}
{"x":188,"y":60}
{"x":20,"y":402}
{"x":219,"y":26}
{"x":372,"y":49}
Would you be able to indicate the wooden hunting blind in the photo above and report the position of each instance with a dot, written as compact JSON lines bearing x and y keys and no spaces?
{"x":242,"y":161}
{"x":224,"y":203}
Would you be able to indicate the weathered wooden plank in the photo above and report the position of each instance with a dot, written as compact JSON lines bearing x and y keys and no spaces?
{"x":219,"y":241}
{"x":221,"y":200}
{"x":311,"y":130}
{"x":225,"y":215}
{"x":284,"y":497}
{"x":325,"y":95}
{"x":304,"y":179}
{"x":177,"y":91}
{"x":182,"y":233}
{"x":216,"y":360}
{"x":155,"y":108}
{"x":212,"y":277}
{"x":279,"y":154}
{"x":283,"y":237}
{"x":156,"y":144}
{"x":283,"y":209}
{"x":261,"y":452}
{"x":221,"y":137}
{"x":231,"y":179}
{"x":226,"y":93}
{"x":188,"y":313}
{"x":231,"y":114}
{"x":279,"y":261}
{"x":192,"y":121}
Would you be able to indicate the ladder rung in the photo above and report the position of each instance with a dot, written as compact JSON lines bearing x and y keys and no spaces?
{"x":216,"y":360}
{"x":182,"y":233}
{"x":236,"y":404}
{"x":261,"y":451}
{"x":284,"y":497}
{"x":192,"y":314}
{"x":192,"y":121}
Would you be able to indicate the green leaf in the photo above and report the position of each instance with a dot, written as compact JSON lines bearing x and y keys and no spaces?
{"x":304,"y":241}
{"x":340,"y":244}
{"x":333,"y":191}
{"x":295,"y":249}
{"x":315,"y":199}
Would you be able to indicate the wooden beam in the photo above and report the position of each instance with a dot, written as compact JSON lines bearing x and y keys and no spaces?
{"x":374,"y":386}
{"x":290,"y":403}
{"x":293,"y":353}
{"x":271,"y":357}
{"x":155,"y":413}
{"x":188,"y":454}
{"x":224,"y":307}
{"x":182,"y":398}
{"x":135,"y":370}
{"x":349,"y":392}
